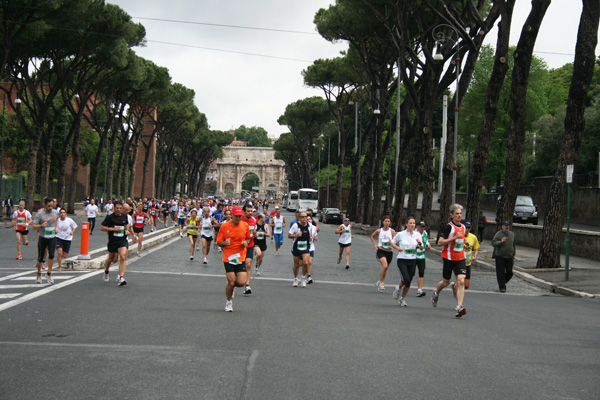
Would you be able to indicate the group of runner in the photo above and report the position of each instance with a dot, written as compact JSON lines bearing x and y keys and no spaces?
{"x":245,"y":238}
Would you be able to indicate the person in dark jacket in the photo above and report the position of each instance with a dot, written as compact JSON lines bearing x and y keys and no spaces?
{"x":504,"y":252}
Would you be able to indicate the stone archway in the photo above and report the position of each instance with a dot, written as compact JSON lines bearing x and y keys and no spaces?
{"x":238,"y":162}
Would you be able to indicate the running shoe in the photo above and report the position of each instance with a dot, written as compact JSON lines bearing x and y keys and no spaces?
{"x":247,"y":290}
{"x":347,"y":266}
{"x":138,"y":254}
{"x":434,"y":299}
{"x":228,"y":306}
{"x":205,"y":260}
{"x":38,"y":279}
{"x":460,"y":311}
{"x":421,"y":294}
{"x":303,"y":283}
{"x":453,"y":285}
{"x":19,"y":257}
{"x":380,"y":287}
{"x":339,"y":259}
{"x":402,"y":303}
{"x":257,"y":272}
{"x":295,"y":284}
{"x":44,"y":267}
{"x":396,"y":293}
{"x":309,"y":280}
{"x":105,"y":276}
{"x":122,"y":282}
{"x":50,"y":279}
{"x":191,"y":258}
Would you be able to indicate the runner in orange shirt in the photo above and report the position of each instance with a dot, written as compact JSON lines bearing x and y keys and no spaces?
{"x":234,"y":238}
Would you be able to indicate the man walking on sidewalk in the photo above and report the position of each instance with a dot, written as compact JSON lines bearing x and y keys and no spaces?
{"x":504,"y":253}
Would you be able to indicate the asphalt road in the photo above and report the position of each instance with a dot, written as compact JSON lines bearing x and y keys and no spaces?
{"x":165,"y":335}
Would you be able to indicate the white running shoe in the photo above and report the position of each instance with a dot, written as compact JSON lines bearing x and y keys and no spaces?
{"x":105,"y":276}
{"x":396,"y":293}
{"x":257,"y":272}
{"x":50,"y":279}
{"x":295,"y":284}
{"x":205,"y":260}
{"x":138,"y":254}
{"x":303,"y":284}
{"x":228,"y":306}
{"x":38,"y":279}
{"x":122,"y":281}
{"x":191,"y":258}
{"x":402,"y":303}
{"x":380,"y":287}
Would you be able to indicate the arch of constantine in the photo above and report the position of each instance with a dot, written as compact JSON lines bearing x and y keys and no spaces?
{"x":238,"y":162}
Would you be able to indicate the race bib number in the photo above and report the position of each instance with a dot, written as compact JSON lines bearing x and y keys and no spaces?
{"x":410,"y":251}
{"x":206,"y":228}
{"x":468,"y":257}
{"x":234,"y":259}
{"x":193,"y":229}
{"x":252,"y":228}
{"x":139,"y":220}
{"x":386,"y":244}
{"x":120,"y":232}
{"x":260,"y":235}
{"x":21,"y":221}
{"x":459,"y":244}
{"x":302,"y":245}
{"x":348,"y":231}
{"x":49,"y":232}
{"x":278,"y":229}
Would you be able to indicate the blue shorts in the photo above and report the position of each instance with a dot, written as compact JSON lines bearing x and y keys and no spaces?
{"x":278,"y":238}
{"x":181,"y":221}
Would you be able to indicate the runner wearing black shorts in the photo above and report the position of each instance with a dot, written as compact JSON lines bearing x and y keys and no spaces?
{"x":45,"y":221}
{"x":117,"y":226}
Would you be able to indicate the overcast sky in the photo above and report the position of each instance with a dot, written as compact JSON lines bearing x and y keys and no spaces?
{"x":235,"y":89}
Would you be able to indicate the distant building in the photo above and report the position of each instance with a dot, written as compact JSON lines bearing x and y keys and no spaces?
{"x":237,"y":143}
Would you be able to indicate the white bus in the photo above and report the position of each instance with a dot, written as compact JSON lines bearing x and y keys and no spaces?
{"x":308,"y":198}
{"x":292,"y":201}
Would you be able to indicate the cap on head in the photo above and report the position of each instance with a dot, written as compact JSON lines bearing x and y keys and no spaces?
{"x":505,"y":223}
{"x":468,"y":224}
{"x":422,"y":223}
{"x":277,"y":207}
{"x":237,"y":211}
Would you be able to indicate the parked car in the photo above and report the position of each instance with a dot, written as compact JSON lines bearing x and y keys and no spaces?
{"x":320,"y":213}
{"x":332,"y":215}
{"x":525,"y":210}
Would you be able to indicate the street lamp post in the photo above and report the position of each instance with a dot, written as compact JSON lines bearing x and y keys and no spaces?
{"x":328,"y":162}
{"x":440,"y":37}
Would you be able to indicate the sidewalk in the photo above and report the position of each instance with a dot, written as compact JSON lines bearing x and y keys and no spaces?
{"x":584,"y":274}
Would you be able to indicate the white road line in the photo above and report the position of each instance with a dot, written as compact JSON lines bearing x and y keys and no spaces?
{"x":9,"y":295}
{"x":9,"y":277}
{"x":24,"y":286}
{"x":54,"y":275}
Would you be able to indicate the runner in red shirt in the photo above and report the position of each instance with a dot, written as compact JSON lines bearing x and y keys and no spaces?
{"x":139,"y":219}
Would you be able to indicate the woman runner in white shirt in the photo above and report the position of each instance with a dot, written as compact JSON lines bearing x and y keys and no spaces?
{"x":406,"y":242}
{"x":383,"y":248}
{"x":345,"y":241}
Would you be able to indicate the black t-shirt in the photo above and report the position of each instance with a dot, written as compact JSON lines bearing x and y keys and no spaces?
{"x":111,"y":221}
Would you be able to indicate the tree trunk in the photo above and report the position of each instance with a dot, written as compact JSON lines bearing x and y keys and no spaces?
{"x":74,"y":170}
{"x":480,"y":158}
{"x":518,"y":109}
{"x":340,"y":171}
{"x":110,"y":168}
{"x":32,"y":170}
{"x":134,"y":156}
{"x":96,"y":167}
{"x":62,"y":168}
{"x":583,"y":71}
{"x":45,"y":166}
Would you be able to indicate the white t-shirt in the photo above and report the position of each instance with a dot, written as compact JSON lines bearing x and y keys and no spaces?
{"x":385,"y":238}
{"x":313,"y":232}
{"x":91,"y":210}
{"x":277,"y":225}
{"x":408,"y":243}
{"x":346,"y":235}
{"x":108,"y":207}
{"x":64,"y":228}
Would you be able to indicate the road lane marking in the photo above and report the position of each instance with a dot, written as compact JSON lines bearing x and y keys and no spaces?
{"x":55,"y":276}
{"x":9,"y":295}
{"x":13,"y":276}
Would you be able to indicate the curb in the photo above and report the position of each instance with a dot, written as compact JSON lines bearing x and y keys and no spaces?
{"x":98,"y":256}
